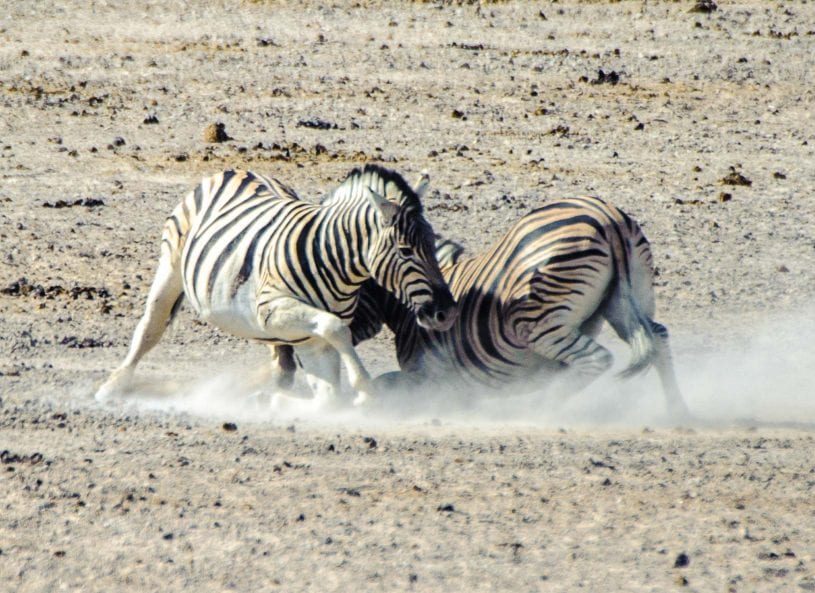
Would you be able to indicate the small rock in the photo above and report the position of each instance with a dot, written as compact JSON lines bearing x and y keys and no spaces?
{"x":704,"y":6}
{"x":215,"y":133}
{"x":446,"y":508}
{"x":370,"y":441}
{"x":316,"y":124}
{"x":682,"y":560}
{"x":230,"y":426}
{"x":606,"y":77}
{"x":735,"y":178}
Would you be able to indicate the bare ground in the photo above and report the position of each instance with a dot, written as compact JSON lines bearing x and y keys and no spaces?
{"x":699,"y":125}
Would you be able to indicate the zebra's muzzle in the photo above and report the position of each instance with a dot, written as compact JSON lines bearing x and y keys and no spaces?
{"x":438,"y":314}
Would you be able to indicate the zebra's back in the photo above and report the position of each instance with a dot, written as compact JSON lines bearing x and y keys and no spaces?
{"x":552,"y":269}
{"x":221,"y":232}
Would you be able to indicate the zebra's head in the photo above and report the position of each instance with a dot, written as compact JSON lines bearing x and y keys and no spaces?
{"x":402,"y":259}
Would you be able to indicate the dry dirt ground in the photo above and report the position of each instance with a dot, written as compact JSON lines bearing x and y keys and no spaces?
{"x":700,"y":125}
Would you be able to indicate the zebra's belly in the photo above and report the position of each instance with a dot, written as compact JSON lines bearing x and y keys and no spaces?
{"x":234,"y":313}
{"x":450,"y":360}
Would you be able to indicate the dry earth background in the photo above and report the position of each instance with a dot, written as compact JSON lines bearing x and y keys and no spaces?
{"x":103,"y":107}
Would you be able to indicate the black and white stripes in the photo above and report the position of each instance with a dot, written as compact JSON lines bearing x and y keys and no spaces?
{"x":534,"y":301}
{"x":256,"y":261}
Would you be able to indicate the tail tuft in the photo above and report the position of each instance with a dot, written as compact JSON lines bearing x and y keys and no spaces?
{"x":643,"y":351}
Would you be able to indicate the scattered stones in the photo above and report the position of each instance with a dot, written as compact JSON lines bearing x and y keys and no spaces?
{"x":735,"y":178}
{"x":75,"y":342}
{"x":85,"y":202}
{"x":561,"y":131}
{"x":7,"y":457}
{"x":215,"y":133}
{"x":23,"y":288}
{"x":603,"y":77}
{"x":704,"y":6}
{"x":690,"y":202}
{"x":316,"y":124}
{"x":468,"y":46}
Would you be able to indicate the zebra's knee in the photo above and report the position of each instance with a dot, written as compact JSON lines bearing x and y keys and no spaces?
{"x":593,"y":363}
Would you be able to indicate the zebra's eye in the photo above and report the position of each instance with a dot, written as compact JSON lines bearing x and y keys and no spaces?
{"x":405,"y":251}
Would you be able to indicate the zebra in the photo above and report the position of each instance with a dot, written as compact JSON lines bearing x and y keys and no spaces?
{"x":254,"y":260}
{"x":532,"y":304}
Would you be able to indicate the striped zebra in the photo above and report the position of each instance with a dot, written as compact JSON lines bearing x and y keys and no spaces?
{"x":257,"y":262}
{"x":533,"y":303}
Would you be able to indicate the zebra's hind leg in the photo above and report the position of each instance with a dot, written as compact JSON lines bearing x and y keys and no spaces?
{"x":321,"y":365}
{"x":279,"y":374}
{"x":274,"y":378}
{"x":677,"y":408}
{"x":162,"y":300}
{"x":584,"y":358}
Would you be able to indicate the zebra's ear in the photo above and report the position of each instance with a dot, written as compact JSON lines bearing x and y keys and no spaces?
{"x":448,"y":252}
{"x":422,"y":184}
{"x":388,"y":210}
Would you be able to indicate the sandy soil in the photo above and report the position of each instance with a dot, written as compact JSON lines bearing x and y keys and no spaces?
{"x":700,"y":126}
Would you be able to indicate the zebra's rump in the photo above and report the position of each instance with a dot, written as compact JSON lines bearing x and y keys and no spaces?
{"x":231,"y":219}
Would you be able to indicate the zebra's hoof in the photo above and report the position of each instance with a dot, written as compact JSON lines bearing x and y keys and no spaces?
{"x":362,"y":398}
{"x":260,"y":400}
{"x":105,"y":393}
{"x":116,"y":385}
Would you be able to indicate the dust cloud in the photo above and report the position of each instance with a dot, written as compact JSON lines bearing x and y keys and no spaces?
{"x":763,"y":377}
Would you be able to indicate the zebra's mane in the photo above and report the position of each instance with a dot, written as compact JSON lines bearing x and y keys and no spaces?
{"x":385,"y":182}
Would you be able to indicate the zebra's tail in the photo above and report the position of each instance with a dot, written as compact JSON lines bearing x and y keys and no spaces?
{"x":624,"y":315}
{"x":643,"y":351}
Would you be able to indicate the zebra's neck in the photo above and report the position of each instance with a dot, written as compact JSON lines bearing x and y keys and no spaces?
{"x":350,"y":231}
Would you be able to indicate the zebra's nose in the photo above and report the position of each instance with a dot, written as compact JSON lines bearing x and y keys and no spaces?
{"x":438,"y":314}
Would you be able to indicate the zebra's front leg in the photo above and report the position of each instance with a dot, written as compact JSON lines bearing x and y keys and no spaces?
{"x":288,"y":319}
{"x":164,"y":294}
{"x":677,"y":407}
